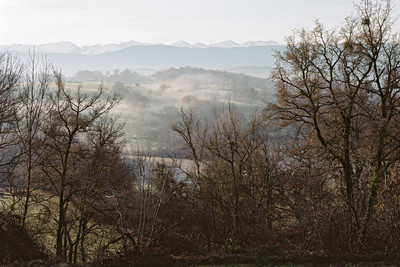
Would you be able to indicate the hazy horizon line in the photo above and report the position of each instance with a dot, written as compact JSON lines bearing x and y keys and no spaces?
{"x":147,"y":43}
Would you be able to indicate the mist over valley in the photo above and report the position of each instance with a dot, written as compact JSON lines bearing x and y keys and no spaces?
{"x":199,"y":142}
{"x":150,"y":104}
{"x":155,"y":80}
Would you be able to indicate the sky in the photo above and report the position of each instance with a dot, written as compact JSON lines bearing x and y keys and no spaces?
{"x":89,"y":22}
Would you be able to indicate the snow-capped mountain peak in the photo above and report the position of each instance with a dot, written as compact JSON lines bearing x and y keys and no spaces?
{"x":71,"y":48}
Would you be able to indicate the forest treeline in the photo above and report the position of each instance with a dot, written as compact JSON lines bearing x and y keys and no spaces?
{"x":240,"y":86}
{"x":315,"y":171}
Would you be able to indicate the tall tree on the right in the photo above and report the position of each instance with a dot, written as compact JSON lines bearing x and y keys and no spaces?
{"x":340,"y":89}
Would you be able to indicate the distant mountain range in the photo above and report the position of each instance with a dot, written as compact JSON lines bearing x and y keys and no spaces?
{"x":226,"y":44}
{"x":68,"y":47}
{"x":252,"y":58}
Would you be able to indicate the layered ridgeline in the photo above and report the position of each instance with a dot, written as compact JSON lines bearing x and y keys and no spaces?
{"x":151,"y":103}
{"x":155,"y":80}
{"x":253,"y":58}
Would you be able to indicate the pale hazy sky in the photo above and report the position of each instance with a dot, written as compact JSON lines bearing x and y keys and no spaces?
{"x":88,"y":22}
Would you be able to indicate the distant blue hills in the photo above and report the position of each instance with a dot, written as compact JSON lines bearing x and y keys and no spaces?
{"x":157,"y":57}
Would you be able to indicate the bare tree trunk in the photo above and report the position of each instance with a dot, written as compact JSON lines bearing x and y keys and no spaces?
{"x":60,"y":226}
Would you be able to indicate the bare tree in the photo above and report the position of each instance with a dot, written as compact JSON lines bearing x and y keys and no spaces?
{"x":233,"y":175}
{"x":72,"y":116}
{"x":340,"y":89}
{"x":10,"y":74}
{"x":34,"y":89}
